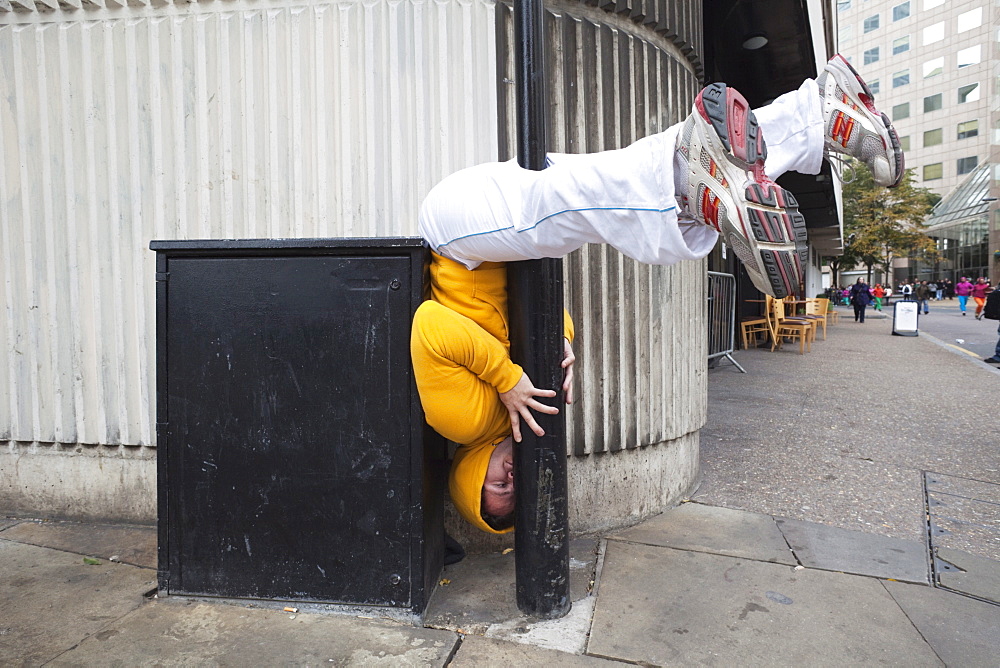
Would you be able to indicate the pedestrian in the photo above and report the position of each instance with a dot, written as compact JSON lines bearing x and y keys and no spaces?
{"x":663,"y":199}
{"x":992,"y":312}
{"x":907,"y":290}
{"x":963,"y":289}
{"x":922,"y":292}
{"x":888,"y":294}
{"x":950,"y":288}
{"x":979,"y":291}
{"x":935,"y":293}
{"x":860,"y":298}
{"x":878,"y":292}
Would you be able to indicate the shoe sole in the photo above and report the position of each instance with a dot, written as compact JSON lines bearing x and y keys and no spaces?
{"x":845,"y":75}
{"x":768,"y":234}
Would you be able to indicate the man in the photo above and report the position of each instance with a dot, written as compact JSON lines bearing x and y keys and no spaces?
{"x":992,"y":312}
{"x":663,"y":199}
{"x":923,"y":293}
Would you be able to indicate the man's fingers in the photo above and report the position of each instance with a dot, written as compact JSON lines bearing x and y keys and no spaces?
{"x":544,"y":393}
{"x":515,"y":426}
{"x":530,"y":421}
{"x":543,"y":408}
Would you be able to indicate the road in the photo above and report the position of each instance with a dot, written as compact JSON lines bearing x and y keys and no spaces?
{"x":963,"y":335}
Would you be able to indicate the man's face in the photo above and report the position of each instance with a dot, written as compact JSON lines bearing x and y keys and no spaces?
{"x":498,"y":487}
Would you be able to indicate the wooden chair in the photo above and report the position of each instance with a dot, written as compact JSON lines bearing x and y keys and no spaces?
{"x":789,"y":328}
{"x":811,"y":320}
{"x":753,"y":326}
{"x":832,"y":314}
{"x":814,"y":311}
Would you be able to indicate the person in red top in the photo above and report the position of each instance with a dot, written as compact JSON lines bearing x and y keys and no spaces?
{"x":979,"y":292}
{"x":962,"y":290}
{"x":878,"y":292}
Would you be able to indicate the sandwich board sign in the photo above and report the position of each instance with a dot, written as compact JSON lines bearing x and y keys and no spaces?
{"x":904,"y":318}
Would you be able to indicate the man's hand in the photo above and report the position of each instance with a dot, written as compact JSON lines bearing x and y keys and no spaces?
{"x":567,"y":364}
{"x":519,"y":399}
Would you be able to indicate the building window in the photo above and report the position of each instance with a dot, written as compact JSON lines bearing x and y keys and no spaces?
{"x":901,"y":111}
{"x":933,"y":171}
{"x":904,"y":143}
{"x":969,"y":20}
{"x":970,"y":56}
{"x":843,"y":5}
{"x":933,"y":137}
{"x":900,"y":78}
{"x":933,"y":67}
{"x":968,"y":93}
{"x":871,"y":56}
{"x":901,"y":11}
{"x":874,"y":86}
{"x":931,"y":4}
{"x":900,"y":45}
{"x":968,"y":129}
{"x":966,"y":165}
{"x":934,"y":33}
{"x":845,"y":34}
{"x":871,"y":23}
{"x":932,"y":102}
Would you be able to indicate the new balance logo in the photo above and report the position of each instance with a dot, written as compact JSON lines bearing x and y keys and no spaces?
{"x":710,"y":208}
{"x":843,"y":128}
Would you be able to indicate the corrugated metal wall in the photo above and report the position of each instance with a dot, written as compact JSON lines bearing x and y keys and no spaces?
{"x":249,"y":119}
{"x":214,"y":120}
{"x":641,"y":341}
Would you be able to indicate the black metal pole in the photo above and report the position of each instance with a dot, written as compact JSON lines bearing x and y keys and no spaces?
{"x":535,"y":304}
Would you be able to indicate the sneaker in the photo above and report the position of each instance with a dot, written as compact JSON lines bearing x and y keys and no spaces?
{"x":992,"y":360}
{"x":727,"y":189}
{"x":854,"y":126}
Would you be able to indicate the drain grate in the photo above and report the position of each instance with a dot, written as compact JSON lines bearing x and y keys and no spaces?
{"x":963,"y":534}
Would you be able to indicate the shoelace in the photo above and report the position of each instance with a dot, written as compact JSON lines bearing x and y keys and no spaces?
{"x":838,"y":162}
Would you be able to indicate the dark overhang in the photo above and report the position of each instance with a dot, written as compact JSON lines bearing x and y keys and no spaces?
{"x":788,"y":56}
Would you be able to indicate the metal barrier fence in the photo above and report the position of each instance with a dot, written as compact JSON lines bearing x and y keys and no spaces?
{"x":722,"y":317}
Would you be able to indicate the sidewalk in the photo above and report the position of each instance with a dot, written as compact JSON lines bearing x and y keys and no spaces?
{"x":829,"y":530}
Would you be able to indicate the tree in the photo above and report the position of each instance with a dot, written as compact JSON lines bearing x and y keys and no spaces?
{"x":881,"y":224}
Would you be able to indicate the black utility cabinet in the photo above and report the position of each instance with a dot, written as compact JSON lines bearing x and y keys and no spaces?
{"x":293,"y":459}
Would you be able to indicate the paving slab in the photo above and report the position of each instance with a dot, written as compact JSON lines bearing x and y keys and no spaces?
{"x":833,"y":549}
{"x":975,"y":575}
{"x":176,"y":632}
{"x":961,"y":630}
{"x":134,"y":545}
{"x":479,"y":591}
{"x":694,"y":526}
{"x":476,"y":651}
{"x":672,"y":607}
{"x":50,"y":600}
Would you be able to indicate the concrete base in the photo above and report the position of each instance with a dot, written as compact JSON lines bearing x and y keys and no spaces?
{"x":103,"y":483}
{"x":81,"y":482}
